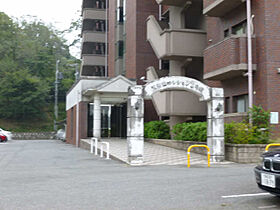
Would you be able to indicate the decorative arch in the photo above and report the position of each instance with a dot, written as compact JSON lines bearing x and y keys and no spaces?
{"x":135,"y":115}
{"x":178,"y":83}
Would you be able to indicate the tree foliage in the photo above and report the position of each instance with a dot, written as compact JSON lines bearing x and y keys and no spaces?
{"x":28,"y":54}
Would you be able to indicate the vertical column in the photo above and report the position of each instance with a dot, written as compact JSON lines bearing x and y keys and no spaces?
{"x":135,"y":125}
{"x":215,"y":121}
{"x":97,"y":116}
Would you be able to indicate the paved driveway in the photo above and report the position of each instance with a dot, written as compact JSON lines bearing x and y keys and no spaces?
{"x":54,"y":175}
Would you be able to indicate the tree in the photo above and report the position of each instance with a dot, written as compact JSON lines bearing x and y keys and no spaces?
{"x":28,"y":53}
{"x":22,"y":95}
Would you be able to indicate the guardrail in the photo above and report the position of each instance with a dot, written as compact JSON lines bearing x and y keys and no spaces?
{"x":95,"y":145}
{"x":189,"y":153}
{"x":271,"y":145}
{"x":108,"y":149}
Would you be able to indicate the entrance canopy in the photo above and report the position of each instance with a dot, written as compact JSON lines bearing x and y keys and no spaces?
{"x":111,"y":90}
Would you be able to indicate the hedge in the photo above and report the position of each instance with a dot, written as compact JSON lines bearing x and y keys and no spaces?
{"x":190,"y":131}
{"x":235,"y":133}
{"x":157,"y":130}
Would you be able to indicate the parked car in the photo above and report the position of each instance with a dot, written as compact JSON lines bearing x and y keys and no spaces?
{"x":3,"y":138}
{"x":60,"y":134}
{"x":8,"y":134}
{"x":268,"y":172}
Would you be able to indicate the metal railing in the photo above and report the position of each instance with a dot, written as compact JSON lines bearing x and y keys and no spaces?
{"x":95,"y":145}
{"x":108,"y":149}
{"x":272,"y":145}
{"x":189,"y":153}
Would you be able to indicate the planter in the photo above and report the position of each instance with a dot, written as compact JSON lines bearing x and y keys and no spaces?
{"x":239,"y":153}
{"x":244,"y":153}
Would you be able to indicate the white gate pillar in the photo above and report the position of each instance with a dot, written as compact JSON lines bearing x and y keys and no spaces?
{"x":97,"y":116}
{"x":135,"y":125}
{"x":215,"y":128}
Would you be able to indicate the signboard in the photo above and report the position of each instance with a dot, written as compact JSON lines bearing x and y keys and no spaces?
{"x":179,"y":83}
{"x":274,"y":117}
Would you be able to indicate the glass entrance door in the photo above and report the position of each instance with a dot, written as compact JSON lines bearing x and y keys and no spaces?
{"x":113,"y":120}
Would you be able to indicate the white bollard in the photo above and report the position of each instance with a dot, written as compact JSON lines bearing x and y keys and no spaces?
{"x":95,"y":144}
{"x":108,"y":149}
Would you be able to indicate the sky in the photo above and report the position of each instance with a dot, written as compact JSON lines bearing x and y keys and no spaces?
{"x":59,"y":13}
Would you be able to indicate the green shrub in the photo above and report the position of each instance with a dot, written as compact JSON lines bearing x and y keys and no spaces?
{"x":260,"y":117}
{"x":156,"y":130}
{"x":190,"y":131}
{"x":244,"y":133}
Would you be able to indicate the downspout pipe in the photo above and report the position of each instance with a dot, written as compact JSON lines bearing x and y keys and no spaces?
{"x":249,"y":45}
{"x":106,"y":40}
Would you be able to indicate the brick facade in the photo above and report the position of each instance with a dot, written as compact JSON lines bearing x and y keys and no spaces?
{"x":71,"y":123}
{"x":266,"y":48}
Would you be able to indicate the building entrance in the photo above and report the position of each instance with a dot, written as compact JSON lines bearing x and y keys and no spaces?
{"x":113,"y":120}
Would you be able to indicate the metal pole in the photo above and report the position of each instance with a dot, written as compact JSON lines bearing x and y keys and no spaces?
{"x":56,"y":95}
{"x":76,"y":72}
{"x":250,"y":73}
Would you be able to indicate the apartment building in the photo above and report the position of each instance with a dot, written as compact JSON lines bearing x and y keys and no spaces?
{"x":115,"y":56}
{"x":207,"y":40}
{"x":201,"y":39}
{"x":225,"y":57}
{"x":178,"y":38}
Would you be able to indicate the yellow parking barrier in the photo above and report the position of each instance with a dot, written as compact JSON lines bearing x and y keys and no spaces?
{"x":189,"y":153}
{"x":271,"y":145}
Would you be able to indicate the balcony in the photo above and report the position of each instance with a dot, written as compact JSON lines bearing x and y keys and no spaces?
{"x":93,"y":60}
{"x":90,"y":36}
{"x":175,"y":44}
{"x":218,"y":8}
{"x":94,"y":14}
{"x":177,"y":3}
{"x":178,"y":103}
{"x":228,"y":58}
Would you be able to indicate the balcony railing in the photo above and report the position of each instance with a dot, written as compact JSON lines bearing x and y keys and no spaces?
{"x":227,"y":59}
{"x":175,"y":44}
{"x":93,"y":60}
{"x":94,"y":14}
{"x":218,"y":8}
{"x":92,"y":36}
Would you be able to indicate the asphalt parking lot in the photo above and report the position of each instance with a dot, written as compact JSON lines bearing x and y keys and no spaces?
{"x":50,"y":174}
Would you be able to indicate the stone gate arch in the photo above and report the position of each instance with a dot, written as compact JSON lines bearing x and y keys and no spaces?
{"x":135,"y":114}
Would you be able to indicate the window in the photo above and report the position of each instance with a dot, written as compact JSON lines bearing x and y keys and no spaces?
{"x":99,"y":4}
{"x":98,"y":49}
{"x":227,"y":105}
{"x":241,"y":103}
{"x":226,"y":33}
{"x":119,"y":49}
{"x":120,"y":11}
{"x":240,"y":28}
{"x":165,"y":64}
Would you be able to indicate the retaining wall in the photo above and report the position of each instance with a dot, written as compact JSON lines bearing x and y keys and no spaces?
{"x":33,"y":136}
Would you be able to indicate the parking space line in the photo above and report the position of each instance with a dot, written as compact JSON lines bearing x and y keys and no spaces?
{"x":245,"y":195}
{"x":267,"y":207}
